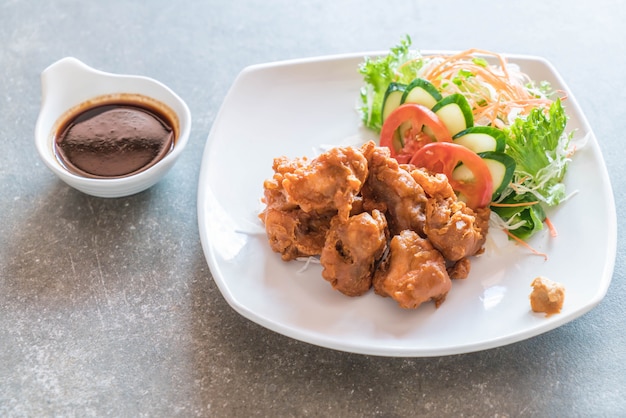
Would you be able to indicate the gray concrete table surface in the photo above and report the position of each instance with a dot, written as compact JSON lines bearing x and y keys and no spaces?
{"x":108,"y":307}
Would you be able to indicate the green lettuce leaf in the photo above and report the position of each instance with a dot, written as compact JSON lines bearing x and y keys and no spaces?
{"x":378,"y":73}
{"x":524,"y":221}
{"x":539,"y":147}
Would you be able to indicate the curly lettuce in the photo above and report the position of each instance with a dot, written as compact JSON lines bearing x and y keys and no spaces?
{"x":540,"y":147}
{"x":401,"y":65}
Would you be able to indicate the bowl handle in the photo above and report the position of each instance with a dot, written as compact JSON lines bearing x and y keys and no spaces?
{"x":62,"y":76}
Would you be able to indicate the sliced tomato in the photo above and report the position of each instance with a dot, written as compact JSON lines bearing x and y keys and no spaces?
{"x":416,"y":117}
{"x":444,"y":157}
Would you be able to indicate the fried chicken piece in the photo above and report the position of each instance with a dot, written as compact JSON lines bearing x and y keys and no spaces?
{"x":455,"y":229}
{"x":295,"y":233}
{"x":329,"y":182}
{"x":274,"y":196}
{"x":391,"y":189}
{"x":352,"y":250}
{"x":413,"y":272}
{"x":460,"y":269}
{"x":434,"y":185}
{"x":290,"y":231}
{"x":303,"y":195}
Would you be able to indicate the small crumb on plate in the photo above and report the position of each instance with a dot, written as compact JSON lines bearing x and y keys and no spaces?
{"x":547,"y":296}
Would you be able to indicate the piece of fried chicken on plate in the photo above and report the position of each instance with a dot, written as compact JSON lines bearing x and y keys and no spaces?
{"x":455,"y":229}
{"x":328,"y":182}
{"x":391,"y":189}
{"x":294,"y":233}
{"x":413,"y":272}
{"x":352,"y":250}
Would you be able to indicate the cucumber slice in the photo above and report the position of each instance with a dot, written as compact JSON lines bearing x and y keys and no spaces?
{"x":422,"y":92}
{"x":502,"y":167}
{"x":392,"y":99}
{"x":455,"y":112}
{"x":481,"y":139}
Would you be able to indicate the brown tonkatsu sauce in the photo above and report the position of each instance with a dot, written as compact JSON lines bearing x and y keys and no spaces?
{"x":113,"y":140}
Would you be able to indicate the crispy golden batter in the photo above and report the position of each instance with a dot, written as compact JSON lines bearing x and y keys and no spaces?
{"x":329,"y":182}
{"x":395,"y":192}
{"x":295,"y":233}
{"x":413,"y":273}
{"x":434,"y":185}
{"x":352,"y":250}
{"x":455,"y":229}
{"x":460,"y":269}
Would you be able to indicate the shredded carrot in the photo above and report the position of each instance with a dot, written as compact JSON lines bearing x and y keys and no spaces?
{"x":515,"y":186}
{"x":525,"y":244}
{"x":491,"y":107}
{"x":468,"y":54}
{"x":571,"y":152}
{"x":550,"y":225}
{"x":513,"y":205}
{"x":562,"y":94}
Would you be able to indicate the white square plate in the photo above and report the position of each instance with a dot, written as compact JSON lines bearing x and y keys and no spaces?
{"x":293,"y":108}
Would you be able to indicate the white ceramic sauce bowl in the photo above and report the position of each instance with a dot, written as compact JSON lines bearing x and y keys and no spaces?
{"x":68,"y":83}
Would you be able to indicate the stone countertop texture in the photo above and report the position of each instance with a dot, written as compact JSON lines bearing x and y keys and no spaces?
{"x":108,"y":307}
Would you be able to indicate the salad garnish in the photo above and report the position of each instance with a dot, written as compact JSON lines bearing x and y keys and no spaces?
{"x":515,"y":124}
